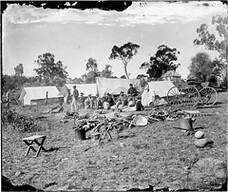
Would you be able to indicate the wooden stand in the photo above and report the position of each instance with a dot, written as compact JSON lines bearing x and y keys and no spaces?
{"x":34,"y":139}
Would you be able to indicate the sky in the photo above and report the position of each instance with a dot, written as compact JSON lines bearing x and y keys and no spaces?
{"x":74,"y":36}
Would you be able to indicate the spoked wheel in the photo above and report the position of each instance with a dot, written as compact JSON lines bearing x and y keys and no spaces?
{"x":190,"y":96}
{"x":208,"y":96}
{"x":174,"y":96}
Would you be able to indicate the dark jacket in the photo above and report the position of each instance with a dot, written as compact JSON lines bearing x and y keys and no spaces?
{"x":132,"y":91}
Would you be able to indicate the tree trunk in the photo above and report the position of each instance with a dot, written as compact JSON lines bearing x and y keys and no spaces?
{"x":125,"y":70}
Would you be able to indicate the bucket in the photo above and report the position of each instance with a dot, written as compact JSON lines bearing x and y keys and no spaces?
{"x":186,"y":123}
{"x":80,"y":134}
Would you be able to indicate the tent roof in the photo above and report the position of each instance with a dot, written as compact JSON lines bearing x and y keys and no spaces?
{"x":171,"y":73}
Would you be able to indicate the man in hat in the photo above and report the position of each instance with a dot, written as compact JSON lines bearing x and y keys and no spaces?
{"x":74,"y":103}
{"x":89,"y":102}
{"x":121,"y":101}
{"x":132,"y":91}
{"x":108,"y":101}
{"x":82,"y":100}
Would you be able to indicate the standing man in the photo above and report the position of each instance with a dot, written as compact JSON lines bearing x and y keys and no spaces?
{"x":74,"y":103}
{"x":81,"y":101}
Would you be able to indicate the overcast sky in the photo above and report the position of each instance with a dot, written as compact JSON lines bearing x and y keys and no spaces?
{"x":74,"y":36}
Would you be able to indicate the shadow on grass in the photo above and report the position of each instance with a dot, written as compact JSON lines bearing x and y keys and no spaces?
{"x":125,"y":136}
{"x":197,"y":128}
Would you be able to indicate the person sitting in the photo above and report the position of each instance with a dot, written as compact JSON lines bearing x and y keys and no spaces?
{"x":130,"y":101}
{"x":81,"y":101}
{"x":132,"y":91}
{"x":89,"y":102}
{"x":108,"y":101}
{"x":98,"y":102}
{"x":138,"y":105}
{"x":121,"y":101}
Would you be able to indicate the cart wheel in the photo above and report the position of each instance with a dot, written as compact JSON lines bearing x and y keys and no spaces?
{"x":208,"y":96}
{"x":174,"y":96}
{"x":190,"y":96}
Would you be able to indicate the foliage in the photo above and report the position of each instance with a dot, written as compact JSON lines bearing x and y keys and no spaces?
{"x":75,"y":80}
{"x":107,"y":72}
{"x":49,"y":69}
{"x":19,"y":70}
{"x":58,"y":81}
{"x":224,"y":83}
{"x":91,"y":77}
{"x":19,"y":122}
{"x":93,"y":73}
{"x":124,"y":53}
{"x":91,"y":64}
{"x":161,"y":62}
{"x":217,"y":42}
{"x":204,"y":69}
{"x":210,"y":41}
{"x":13,"y":82}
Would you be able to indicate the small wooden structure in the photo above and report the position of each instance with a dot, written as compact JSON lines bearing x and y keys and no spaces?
{"x":34,"y":140}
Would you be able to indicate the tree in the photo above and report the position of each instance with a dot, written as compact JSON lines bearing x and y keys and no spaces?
{"x":75,"y":80}
{"x":107,"y":72}
{"x":91,"y":65}
{"x":217,"y":42}
{"x":210,"y":41}
{"x":58,"y":81}
{"x":202,"y":68}
{"x":161,"y":62}
{"x":124,"y":53}
{"x":49,"y":69}
{"x":19,"y":70}
{"x":13,"y":82}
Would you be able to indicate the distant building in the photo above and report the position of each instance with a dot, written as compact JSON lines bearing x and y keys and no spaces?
{"x":172,"y":76}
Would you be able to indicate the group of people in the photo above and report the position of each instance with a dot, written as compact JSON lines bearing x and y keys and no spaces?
{"x":108,"y":101}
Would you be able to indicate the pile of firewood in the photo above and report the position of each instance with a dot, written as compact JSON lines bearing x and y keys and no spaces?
{"x":100,"y":126}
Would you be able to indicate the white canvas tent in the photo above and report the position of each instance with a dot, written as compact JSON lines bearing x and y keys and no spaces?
{"x":82,"y":88}
{"x":114,"y":86}
{"x":30,"y":94}
{"x":159,"y":88}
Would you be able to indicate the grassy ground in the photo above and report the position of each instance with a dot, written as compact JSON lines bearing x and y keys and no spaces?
{"x":154,"y":155}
